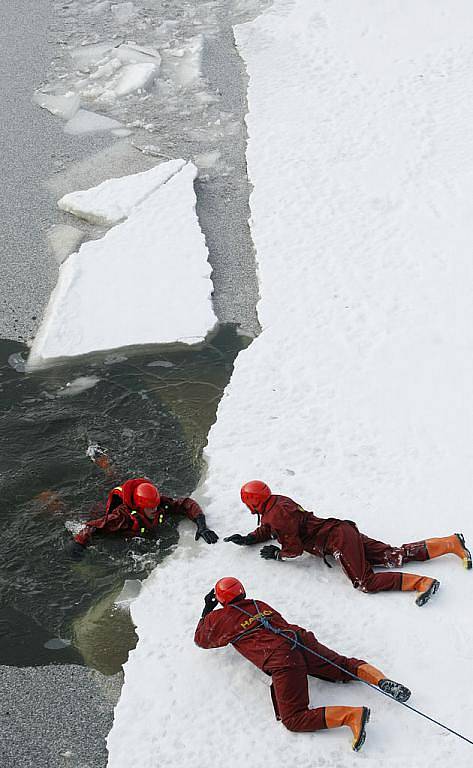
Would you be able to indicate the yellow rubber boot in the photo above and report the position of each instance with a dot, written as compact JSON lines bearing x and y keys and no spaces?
{"x":354,"y":717}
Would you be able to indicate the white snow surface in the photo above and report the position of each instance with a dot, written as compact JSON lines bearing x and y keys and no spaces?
{"x":146,"y":281}
{"x":355,"y":400}
{"x":114,"y":199}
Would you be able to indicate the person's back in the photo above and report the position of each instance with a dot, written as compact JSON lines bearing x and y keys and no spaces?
{"x":239,"y":623}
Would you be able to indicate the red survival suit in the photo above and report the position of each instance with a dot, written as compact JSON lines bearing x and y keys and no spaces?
{"x":299,"y":531}
{"x":273,"y":654}
{"x":120,"y":517}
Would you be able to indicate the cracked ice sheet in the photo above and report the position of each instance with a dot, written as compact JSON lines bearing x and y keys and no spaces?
{"x":355,"y":399}
{"x":147,"y":281}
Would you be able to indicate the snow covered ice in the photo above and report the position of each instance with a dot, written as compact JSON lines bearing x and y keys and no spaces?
{"x":147,"y":280}
{"x":355,"y":400}
{"x":114,"y":199}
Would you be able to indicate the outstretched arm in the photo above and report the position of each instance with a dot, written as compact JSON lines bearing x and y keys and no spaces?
{"x":193,"y":511}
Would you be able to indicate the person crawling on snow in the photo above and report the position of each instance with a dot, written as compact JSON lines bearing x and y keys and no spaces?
{"x":299,"y":531}
{"x":288,"y":653}
{"x":135,"y":508}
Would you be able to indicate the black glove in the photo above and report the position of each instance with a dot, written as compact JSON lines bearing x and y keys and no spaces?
{"x":210,"y":601}
{"x":210,"y":537}
{"x":242,"y":541}
{"x":75,"y":550}
{"x":270,"y":552}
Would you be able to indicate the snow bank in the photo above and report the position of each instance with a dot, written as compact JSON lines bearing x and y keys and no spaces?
{"x":147,"y":281}
{"x":355,"y":399}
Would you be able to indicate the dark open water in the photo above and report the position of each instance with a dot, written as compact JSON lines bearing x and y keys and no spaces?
{"x":151,"y":410}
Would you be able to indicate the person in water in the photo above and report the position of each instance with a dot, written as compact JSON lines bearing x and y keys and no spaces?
{"x":288,"y":653}
{"x":299,"y":531}
{"x":136,"y":508}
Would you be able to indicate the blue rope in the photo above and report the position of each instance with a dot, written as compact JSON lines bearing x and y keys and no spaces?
{"x":266,"y":624}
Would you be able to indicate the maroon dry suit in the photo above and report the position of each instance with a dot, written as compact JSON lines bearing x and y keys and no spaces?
{"x":300,"y":531}
{"x":276,"y":656}
{"x":120,"y":517}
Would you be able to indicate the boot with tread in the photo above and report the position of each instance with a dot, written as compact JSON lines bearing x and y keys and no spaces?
{"x":355,"y":718}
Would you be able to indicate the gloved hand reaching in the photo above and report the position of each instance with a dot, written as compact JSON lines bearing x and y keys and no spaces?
{"x":210,"y":601}
{"x":242,"y":541}
{"x":210,"y":537}
{"x":75,"y":550}
{"x":270,"y":552}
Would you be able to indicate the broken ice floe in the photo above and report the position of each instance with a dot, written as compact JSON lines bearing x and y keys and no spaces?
{"x":130,"y":591}
{"x":104,"y":74}
{"x":147,"y":280}
{"x":123,"y":12}
{"x":85,"y":121}
{"x":17,"y":362}
{"x":78,"y":385}
{"x":65,"y":105}
{"x":113,"y":200}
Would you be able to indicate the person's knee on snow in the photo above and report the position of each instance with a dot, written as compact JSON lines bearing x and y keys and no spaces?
{"x":372,"y":582}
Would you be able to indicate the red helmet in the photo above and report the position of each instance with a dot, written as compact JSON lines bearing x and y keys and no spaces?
{"x":227,"y":589}
{"x":254,"y":494}
{"x":146,"y":496}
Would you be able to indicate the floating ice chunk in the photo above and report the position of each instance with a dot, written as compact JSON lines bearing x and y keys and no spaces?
{"x":149,"y":149}
{"x":17,"y":362}
{"x":98,"y":8}
{"x":160,"y":364}
{"x":76,"y":386}
{"x":56,"y":644}
{"x":131,"y":53}
{"x":89,"y":55}
{"x":106,"y":69}
{"x":123,"y":12}
{"x":85,"y":121}
{"x":183,"y":65}
{"x":133,"y":77}
{"x":64,"y":106}
{"x":113,"y":359}
{"x":159,"y":246}
{"x":207,"y":159}
{"x":130,"y":591}
{"x":113,"y":200}
{"x":121,"y":133}
{"x":64,"y":240}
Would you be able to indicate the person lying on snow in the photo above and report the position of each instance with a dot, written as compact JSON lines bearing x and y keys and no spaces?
{"x":135,"y":508}
{"x":254,"y":629}
{"x":299,"y":531}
